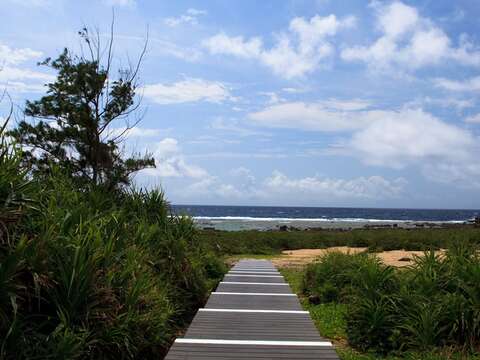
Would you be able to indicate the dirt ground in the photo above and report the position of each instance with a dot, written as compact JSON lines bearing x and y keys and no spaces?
{"x":294,"y":258}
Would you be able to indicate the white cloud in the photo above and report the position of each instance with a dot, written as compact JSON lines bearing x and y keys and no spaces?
{"x":17,"y":79}
{"x":13,"y":74}
{"x":294,"y":191}
{"x":136,"y":131}
{"x":409,"y":41}
{"x":411,"y":136}
{"x":296,"y":52}
{"x":171,"y":162}
{"x":388,"y":138}
{"x":9,"y":56}
{"x":473,"y":119}
{"x":190,"y":17}
{"x":237,"y":46}
{"x":373,"y":187}
{"x":188,"y":90}
{"x":332,"y":115}
{"x":472,"y":84}
{"x":22,"y":87}
{"x":292,"y":90}
{"x":212,"y":187}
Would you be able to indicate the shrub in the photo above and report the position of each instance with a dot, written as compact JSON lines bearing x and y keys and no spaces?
{"x":331,"y":277}
{"x":93,"y":274}
{"x":433,"y":303}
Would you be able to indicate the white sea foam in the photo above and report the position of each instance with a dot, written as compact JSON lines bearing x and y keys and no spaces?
{"x":320,"y":220}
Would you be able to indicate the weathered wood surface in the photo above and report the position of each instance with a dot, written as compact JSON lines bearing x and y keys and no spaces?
{"x":252,"y":317}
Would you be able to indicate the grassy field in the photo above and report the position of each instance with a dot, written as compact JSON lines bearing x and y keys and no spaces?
{"x":331,"y":320}
{"x":273,"y":242}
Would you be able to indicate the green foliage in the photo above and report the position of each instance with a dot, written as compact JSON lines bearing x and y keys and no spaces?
{"x":93,"y":274}
{"x":432,"y":304}
{"x":75,"y":117}
{"x":15,"y":189}
{"x":330,"y":279}
{"x":273,"y":242}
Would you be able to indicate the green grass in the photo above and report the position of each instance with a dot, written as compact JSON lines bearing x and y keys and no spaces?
{"x":273,"y":242}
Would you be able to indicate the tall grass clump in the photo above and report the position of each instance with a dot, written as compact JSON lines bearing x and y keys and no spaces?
{"x":434,"y":303}
{"x":91,"y":274}
{"x":331,"y":278}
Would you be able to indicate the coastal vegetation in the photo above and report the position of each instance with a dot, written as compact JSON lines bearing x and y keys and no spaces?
{"x":428,"y":310}
{"x":90,"y":266}
{"x":376,"y":240}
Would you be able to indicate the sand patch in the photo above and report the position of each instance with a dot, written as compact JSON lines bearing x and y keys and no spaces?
{"x":295,"y":258}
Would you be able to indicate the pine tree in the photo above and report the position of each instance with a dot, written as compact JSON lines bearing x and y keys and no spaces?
{"x":72,"y":124}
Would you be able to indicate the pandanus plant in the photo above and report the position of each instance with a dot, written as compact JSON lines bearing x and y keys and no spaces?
{"x":14,"y":185}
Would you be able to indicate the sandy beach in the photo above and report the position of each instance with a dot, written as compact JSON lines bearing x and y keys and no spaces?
{"x":295,"y":258}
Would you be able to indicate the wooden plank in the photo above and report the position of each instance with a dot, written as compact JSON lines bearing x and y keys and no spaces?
{"x":247,"y":279}
{"x":253,"y":326}
{"x":248,"y":287}
{"x":253,"y":314}
{"x":254,"y":302}
{"x":241,"y":352}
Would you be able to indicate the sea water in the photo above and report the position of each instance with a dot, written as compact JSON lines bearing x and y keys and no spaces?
{"x":272,"y":217}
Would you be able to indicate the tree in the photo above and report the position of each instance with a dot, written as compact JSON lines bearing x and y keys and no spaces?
{"x":73,"y":121}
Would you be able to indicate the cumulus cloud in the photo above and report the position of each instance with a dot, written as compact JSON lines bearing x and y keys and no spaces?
{"x":16,"y":78}
{"x":188,"y":90}
{"x":293,"y":190}
{"x":296,"y":52}
{"x":410,"y":41}
{"x":171,"y":162}
{"x":190,"y":17}
{"x":399,"y":138}
{"x":411,"y":136}
{"x":373,"y":187}
{"x":10,"y":56}
{"x":472,"y":84}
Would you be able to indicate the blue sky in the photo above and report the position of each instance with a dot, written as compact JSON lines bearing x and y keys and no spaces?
{"x":305,"y":103}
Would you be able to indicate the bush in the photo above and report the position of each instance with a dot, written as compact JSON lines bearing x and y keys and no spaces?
{"x":93,"y":274}
{"x":433,"y":303}
{"x":330,"y":279}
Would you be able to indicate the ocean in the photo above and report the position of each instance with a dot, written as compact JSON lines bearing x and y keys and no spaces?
{"x":234,"y":218}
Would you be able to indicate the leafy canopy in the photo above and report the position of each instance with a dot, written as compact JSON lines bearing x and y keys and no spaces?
{"x":72,"y":124}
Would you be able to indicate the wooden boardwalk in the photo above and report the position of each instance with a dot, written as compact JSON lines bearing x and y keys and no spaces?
{"x":253,"y":314}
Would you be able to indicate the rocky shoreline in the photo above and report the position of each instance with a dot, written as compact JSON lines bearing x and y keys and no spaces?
{"x":334,"y":225}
